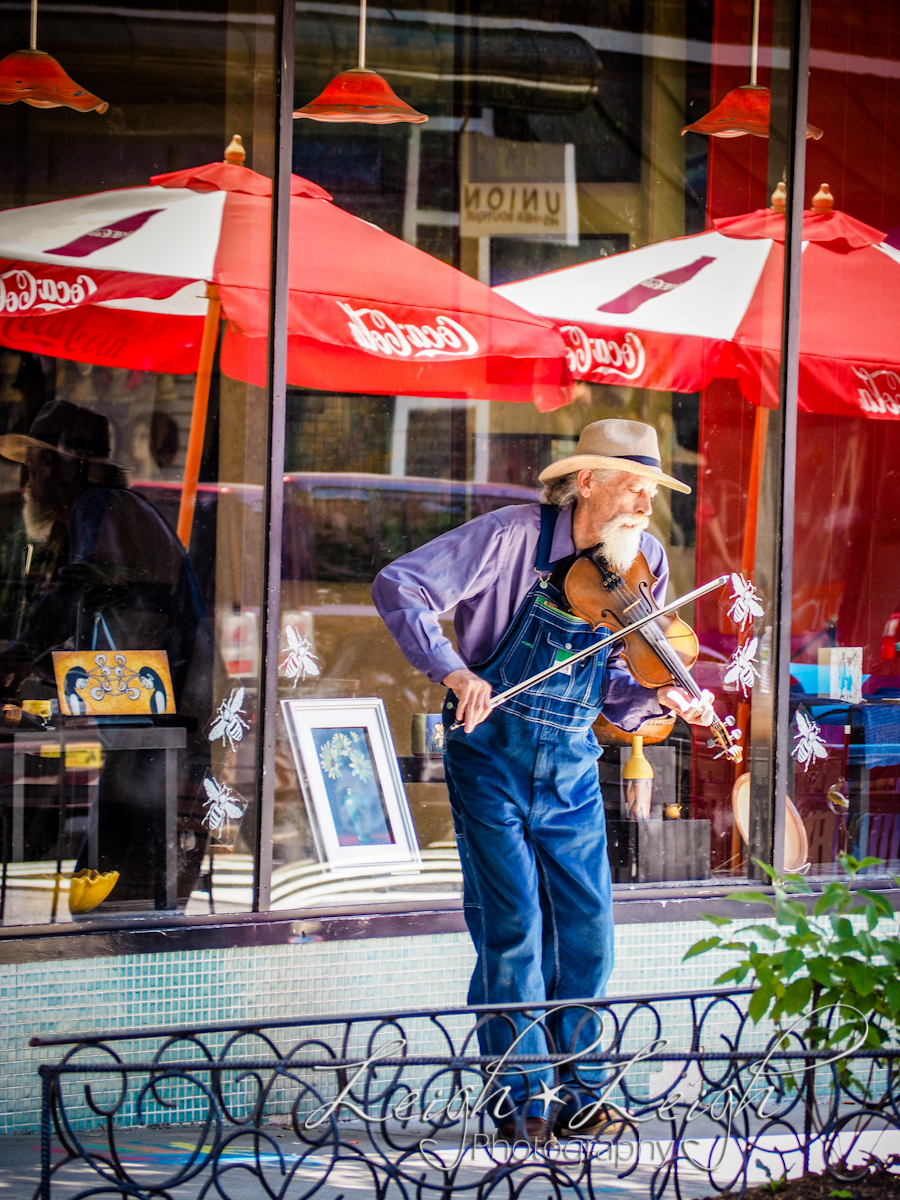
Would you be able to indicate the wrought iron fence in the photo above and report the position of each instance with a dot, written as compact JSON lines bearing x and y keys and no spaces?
{"x":696,"y":1100}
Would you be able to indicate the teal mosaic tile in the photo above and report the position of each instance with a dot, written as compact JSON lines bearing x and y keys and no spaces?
{"x":282,"y":982}
{"x":276,"y":982}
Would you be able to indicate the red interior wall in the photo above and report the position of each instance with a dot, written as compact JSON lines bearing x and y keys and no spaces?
{"x":846,"y":529}
{"x":846,"y":562}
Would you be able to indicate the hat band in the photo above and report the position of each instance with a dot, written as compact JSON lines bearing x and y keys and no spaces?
{"x":80,"y":446}
{"x":644,"y":459}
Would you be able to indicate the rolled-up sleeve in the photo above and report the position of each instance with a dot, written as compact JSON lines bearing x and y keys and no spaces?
{"x":626,"y":702}
{"x":413,"y":591}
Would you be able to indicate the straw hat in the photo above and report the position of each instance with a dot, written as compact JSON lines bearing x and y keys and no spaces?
{"x":65,"y":428}
{"x":616,"y":445}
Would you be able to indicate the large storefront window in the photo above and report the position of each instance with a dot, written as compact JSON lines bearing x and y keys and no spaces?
{"x":551,"y":147}
{"x":133,"y":439}
{"x":845,"y":676}
{"x":554,"y":219}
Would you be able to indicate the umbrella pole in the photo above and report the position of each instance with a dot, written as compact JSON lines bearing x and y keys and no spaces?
{"x":757,"y":461}
{"x":198,"y":415}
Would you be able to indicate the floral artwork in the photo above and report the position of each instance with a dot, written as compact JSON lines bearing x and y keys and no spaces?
{"x":434,"y":742}
{"x":300,"y":661}
{"x":228,"y":723}
{"x":354,"y":794}
{"x":808,"y":742}
{"x":349,"y":776}
{"x":745,"y":605}
{"x":742,"y":667}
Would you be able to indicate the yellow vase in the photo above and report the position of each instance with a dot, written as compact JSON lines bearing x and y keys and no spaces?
{"x":89,"y":888}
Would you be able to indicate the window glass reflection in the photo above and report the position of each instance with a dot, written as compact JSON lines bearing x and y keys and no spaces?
{"x":131,"y":469}
{"x":554,"y":145}
{"x":845,"y":685}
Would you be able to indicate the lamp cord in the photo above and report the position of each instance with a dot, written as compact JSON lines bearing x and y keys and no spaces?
{"x":362,"y":32}
{"x":754,"y":42}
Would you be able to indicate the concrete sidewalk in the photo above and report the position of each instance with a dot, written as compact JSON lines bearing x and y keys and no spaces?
{"x":154,"y":1155}
{"x":151,"y":1156}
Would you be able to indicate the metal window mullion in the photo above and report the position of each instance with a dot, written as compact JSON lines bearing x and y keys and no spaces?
{"x":768,"y":845}
{"x":277,"y":345}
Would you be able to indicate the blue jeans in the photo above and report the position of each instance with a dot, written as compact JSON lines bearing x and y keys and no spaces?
{"x":530,"y":826}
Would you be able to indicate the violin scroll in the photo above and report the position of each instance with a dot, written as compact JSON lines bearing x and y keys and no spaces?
{"x":727,"y":739}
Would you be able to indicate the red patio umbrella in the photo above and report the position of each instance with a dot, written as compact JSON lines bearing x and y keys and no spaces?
{"x":139,"y":278}
{"x":675,"y":315}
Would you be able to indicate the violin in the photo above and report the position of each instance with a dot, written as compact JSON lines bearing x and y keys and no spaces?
{"x":658,"y":654}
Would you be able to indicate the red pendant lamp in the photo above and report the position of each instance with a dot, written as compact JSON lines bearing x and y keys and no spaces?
{"x":745,"y":109}
{"x":360,"y":95}
{"x":37,"y":79}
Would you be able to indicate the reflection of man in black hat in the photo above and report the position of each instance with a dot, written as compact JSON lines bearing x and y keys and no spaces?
{"x":121,"y":581}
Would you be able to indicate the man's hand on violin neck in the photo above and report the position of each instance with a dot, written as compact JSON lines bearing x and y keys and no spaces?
{"x":695,"y":711}
{"x":473,"y":696}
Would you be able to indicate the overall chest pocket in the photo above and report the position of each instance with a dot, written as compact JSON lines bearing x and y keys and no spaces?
{"x":550,"y":639}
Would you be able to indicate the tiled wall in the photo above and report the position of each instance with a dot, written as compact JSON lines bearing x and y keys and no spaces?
{"x":284,"y":981}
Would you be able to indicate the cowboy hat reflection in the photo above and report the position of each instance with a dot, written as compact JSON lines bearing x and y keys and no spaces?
{"x":66,"y":429}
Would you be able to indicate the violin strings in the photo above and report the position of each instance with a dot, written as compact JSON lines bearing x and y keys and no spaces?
{"x":662,"y":644}
{"x":669,"y":655}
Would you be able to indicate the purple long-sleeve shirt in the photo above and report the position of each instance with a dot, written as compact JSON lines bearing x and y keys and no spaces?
{"x":483,"y":570}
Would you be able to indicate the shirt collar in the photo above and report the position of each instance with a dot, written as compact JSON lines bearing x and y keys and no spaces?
{"x":562,"y":545}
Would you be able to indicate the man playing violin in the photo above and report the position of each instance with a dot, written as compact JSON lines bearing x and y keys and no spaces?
{"x":523,"y":777}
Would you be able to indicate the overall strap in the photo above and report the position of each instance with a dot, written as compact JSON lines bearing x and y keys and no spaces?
{"x":542,"y":563}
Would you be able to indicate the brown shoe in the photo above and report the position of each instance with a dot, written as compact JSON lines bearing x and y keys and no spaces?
{"x":606,"y":1122}
{"x":535,"y":1130}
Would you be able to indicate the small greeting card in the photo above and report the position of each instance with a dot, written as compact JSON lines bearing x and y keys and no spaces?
{"x":840,"y":673}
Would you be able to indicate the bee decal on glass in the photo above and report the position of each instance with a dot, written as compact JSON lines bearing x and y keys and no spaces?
{"x":742,"y":667}
{"x":808,"y":742}
{"x":745,"y":605}
{"x":221,"y":804}
{"x":228,"y":723}
{"x":300,"y":661}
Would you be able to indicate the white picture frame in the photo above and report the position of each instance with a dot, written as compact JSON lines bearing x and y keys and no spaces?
{"x":350,"y":781}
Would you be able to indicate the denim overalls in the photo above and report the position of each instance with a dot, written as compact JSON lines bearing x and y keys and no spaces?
{"x":529,"y":823}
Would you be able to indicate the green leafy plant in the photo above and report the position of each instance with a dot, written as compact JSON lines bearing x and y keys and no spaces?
{"x":773,"y":1184}
{"x":817,"y":960}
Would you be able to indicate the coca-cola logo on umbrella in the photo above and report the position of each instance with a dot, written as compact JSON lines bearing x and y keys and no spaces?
{"x":20,"y":291}
{"x":880,"y":391}
{"x":656,"y":285}
{"x":377,"y":333}
{"x":625,"y":358}
{"x":95,"y":239}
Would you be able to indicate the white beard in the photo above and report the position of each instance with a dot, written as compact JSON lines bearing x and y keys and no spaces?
{"x":38,"y":522}
{"x":620,"y":541}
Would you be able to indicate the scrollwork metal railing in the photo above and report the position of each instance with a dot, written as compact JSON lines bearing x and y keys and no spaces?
{"x":679,"y":1091}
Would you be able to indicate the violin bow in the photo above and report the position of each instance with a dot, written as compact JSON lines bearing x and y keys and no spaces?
{"x":518,"y":688}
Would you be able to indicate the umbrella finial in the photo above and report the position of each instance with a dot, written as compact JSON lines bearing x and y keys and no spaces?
{"x":779,"y":197}
{"x":823,"y":201}
{"x":234,"y":151}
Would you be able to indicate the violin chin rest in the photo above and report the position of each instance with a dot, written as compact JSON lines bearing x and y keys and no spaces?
{"x":653,"y":730}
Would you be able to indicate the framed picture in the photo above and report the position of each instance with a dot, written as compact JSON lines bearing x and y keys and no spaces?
{"x":113,"y":682}
{"x":350,"y":781}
